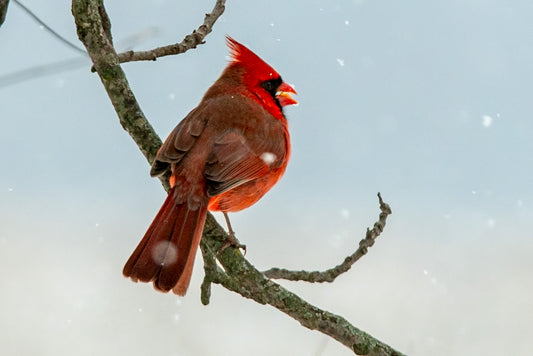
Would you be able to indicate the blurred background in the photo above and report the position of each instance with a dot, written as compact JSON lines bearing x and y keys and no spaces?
{"x":427,"y":102}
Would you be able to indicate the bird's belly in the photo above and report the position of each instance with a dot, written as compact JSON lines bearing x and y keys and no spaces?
{"x":244,"y":195}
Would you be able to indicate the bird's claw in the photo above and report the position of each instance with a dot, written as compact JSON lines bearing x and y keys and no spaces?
{"x":232,"y":241}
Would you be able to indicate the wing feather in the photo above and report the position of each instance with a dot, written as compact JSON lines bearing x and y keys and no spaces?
{"x":240,"y":140}
{"x":231,"y":163}
{"x":178,"y":143}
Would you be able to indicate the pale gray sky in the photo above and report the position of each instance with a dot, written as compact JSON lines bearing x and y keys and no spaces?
{"x":428,"y":102}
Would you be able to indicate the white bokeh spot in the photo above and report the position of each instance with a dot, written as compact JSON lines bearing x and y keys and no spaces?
{"x":164,"y":253}
{"x":268,"y":157}
{"x":487,"y":121}
{"x":345,"y":213}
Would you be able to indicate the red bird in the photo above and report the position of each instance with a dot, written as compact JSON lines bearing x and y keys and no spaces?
{"x":224,"y":156}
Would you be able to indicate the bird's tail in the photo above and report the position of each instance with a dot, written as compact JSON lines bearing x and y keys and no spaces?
{"x":165,"y":255}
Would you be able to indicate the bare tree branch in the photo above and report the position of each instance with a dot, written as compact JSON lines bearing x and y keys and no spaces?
{"x":190,"y":41}
{"x":3,"y":10}
{"x":332,"y":273}
{"x":93,"y":29}
{"x":238,"y":274}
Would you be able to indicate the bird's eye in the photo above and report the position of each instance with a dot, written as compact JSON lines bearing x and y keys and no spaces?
{"x":268,"y":86}
{"x":272,"y":85}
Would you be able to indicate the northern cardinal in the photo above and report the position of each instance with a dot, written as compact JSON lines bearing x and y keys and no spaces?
{"x":224,"y":156}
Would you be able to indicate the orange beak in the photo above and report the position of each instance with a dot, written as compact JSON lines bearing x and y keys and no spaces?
{"x":284,"y":95}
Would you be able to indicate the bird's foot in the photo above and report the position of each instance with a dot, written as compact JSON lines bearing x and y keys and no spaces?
{"x":232,"y":241}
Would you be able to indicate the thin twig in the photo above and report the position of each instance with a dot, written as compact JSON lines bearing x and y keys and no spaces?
{"x":42,"y":70}
{"x":190,"y":41}
{"x":49,"y":29}
{"x":65,"y":64}
{"x":329,"y":275}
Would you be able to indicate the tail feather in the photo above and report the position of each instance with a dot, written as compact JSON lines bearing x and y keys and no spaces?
{"x":165,"y":255}
{"x":188,"y":229}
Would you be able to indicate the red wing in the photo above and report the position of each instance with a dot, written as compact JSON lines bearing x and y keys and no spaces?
{"x":232,"y":163}
{"x":178,"y":143}
{"x":247,"y":143}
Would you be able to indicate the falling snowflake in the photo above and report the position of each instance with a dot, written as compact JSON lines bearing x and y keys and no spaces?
{"x":487,"y":121}
{"x":345,"y":213}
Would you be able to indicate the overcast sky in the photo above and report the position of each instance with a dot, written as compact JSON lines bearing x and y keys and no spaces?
{"x":428,"y":102}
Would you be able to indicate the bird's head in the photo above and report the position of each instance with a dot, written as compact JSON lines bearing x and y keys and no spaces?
{"x":259,"y":77}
